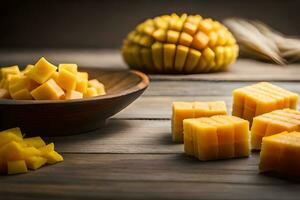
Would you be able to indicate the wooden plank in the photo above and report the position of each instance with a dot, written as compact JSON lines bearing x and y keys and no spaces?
{"x":147,"y":176}
{"x":122,"y":136}
{"x":204,"y":88}
{"x":242,"y":70}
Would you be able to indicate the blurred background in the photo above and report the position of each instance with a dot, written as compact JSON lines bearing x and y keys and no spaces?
{"x":93,"y":24}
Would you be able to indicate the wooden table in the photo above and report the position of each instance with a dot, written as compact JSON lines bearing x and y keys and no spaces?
{"x":134,"y":157}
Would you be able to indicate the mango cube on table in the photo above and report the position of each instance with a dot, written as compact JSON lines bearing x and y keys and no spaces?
{"x":186,"y":110}
{"x":261,"y":98}
{"x":42,"y":71}
{"x":280,"y":154}
{"x":272,"y":123}
{"x":216,"y":137}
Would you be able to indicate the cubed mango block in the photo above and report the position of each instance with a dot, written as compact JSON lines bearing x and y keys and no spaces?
{"x":5,"y":71}
{"x":98,"y":86}
{"x":260,"y":98}
{"x":90,"y":92}
{"x":48,"y":91}
{"x":42,"y":71}
{"x":16,"y":167}
{"x":66,"y":80}
{"x":73,"y":95}
{"x":36,"y":142}
{"x":35,"y":162}
{"x":69,"y":67}
{"x":273,"y":123}
{"x":216,"y":137}
{"x":186,"y":110}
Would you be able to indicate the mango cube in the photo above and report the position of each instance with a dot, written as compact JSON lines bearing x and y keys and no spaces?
{"x":36,"y":142}
{"x":47,"y":148}
{"x":42,"y":71}
{"x":11,"y":151}
{"x":27,"y":69}
{"x":5,"y":71}
{"x":35,"y":162}
{"x":98,"y":86}
{"x":260,"y":98}
{"x":90,"y":92}
{"x":74,"y":95}
{"x":280,"y":154}
{"x":216,"y":137}
{"x":186,"y":110}
{"x":4,"y":94}
{"x":66,"y":80}
{"x":273,"y":123}
{"x":69,"y":67}
{"x":16,"y":167}
{"x":48,"y":91}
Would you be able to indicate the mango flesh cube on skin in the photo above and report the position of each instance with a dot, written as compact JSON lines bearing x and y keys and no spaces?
{"x":36,"y":142}
{"x":69,"y":67}
{"x":5,"y":71}
{"x":66,"y":80}
{"x":186,"y":110}
{"x":42,"y":71}
{"x":260,"y":98}
{"x":48,"y":91}
{"x":273,"y":123}
{"x":280,"y":154}
{"x":216,"y":137}
{"x":16,"y":167}
{"x":74,"y":95}
{"x":98,"y":86}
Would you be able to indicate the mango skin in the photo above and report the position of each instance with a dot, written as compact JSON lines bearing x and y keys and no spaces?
{"x":180,"y":44}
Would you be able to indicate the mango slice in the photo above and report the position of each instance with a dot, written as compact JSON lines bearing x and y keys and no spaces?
{"x":165,"y":36}
{"x":18,"y":153}
{"x":42,"y":71}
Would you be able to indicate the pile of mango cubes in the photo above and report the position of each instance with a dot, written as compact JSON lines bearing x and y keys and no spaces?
{"x":18,"y":154}
{"x":44,"y":81}
{"x":264,"y":117}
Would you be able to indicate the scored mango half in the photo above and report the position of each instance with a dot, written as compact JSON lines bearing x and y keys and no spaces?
{"x":180,"y":44}
{"x":18,"y":154}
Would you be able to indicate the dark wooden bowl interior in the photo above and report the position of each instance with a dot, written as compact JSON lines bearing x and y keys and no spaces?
{"x":54,"y":118}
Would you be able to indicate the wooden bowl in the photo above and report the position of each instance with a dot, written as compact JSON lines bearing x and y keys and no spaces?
{"x":66,"y":117}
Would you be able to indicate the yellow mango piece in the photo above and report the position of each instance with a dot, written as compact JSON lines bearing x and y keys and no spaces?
{"x":6,"y":137}
{"x":54,"y":76}
{"x":169,"y":55}
{"x":261,"y":98}
{"x":16,"y":131}
{"x":190,"y":28}
{"x":172,"y":36}
{"x":185,"y":39}
{"x":83,"y":75}
{"x":27,"y":69}
{"x":66,"y":80}
{"x":69,"y":67}
{"x":147,"y":58}
{"x":192,"y":60}
{"x":216,"y":137}
{"x":180,"y":111}
{"x":23,"y":94}
{"x":16,"y":167}
{"x":273,"y":123}
{"x":74,"y":95}
{"x":47,"y":148}
{"x":200,"y":40}
{"x":98,"y":86}
{"x":90,"y":92}
{"x":280,"y":153}
{"x":5,"y":71}
{"x":4,"y":94}
{"x":22,"y":83}
{"x":11,"y":151}
{"x":35,"y":162}
{"x":160,"y":35}
{"x":36,"y":142}
{"x":30,"y":151}
{"x":53,"y":157}
{"x":48,"y":91}
{"x":41,"y":71}
{"x":157,"y":55}
{"x":180,"y":58}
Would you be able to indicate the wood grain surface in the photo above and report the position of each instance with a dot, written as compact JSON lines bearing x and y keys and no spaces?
{"x":133,"y":156}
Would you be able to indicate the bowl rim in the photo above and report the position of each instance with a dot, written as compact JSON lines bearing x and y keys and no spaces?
{"x":143,"y":84}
